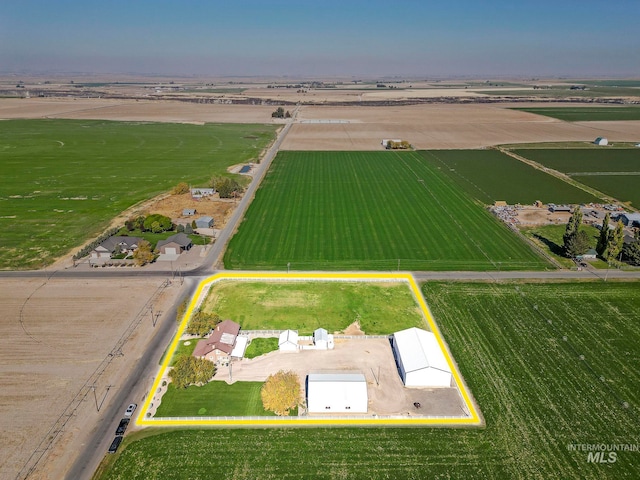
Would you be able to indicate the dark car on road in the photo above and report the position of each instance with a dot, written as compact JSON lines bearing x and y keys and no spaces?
{"x":122,"y":426}
{"x":115,"y":444}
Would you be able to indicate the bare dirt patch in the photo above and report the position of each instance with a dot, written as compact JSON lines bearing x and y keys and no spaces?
{"x":55,"y":334}
{"x":353,"y":329}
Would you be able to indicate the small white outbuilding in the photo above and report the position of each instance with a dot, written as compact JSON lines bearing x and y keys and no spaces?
{"x":337,"y":393}
{"x":601,"y":141}
{"x":288,"y":341}
{"x":420,"y":360}
{"x":322,"y":340}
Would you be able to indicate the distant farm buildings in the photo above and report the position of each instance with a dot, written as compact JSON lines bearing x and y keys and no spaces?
{"x":559,"y":208}
{"x":395,"y":144}
{"x":198,"y":193}
{"x":601,"y":141}
{"x":337,"y":393}
{"x":420,"y":360}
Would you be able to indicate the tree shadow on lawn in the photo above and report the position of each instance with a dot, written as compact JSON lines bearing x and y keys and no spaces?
{"x":553,"y":246}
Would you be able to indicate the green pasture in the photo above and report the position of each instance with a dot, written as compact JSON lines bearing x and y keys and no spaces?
{"x":549,"y":237}
{"x":369,"y":211}
{"x":62,"y":181}
{"x":588,"y":114}
{"x":491,"y":175}
{"x":614,"y":172}
{"x":550,"y":365}
{"x":380,"y":309}
{"x":260,"y":346}
{"x":214,"y":399}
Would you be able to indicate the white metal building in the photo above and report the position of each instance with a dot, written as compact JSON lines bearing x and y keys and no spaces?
{"x":337,"y":393}
{"x":421,"y":361}
{"x":322,"y":340}
{"x":601,"y":141}
{"x":288,"y":341}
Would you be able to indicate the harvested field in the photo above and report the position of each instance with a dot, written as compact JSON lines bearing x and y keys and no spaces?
{"x":132,"y":110}
{"x":440,"y":126}
{"x":55,"y":335}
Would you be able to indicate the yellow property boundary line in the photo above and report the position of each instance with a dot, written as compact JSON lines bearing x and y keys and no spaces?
{"x":473,"y":419}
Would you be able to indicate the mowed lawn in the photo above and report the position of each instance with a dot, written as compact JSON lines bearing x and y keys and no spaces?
{"x":589,"y":114}
{"x":491,"y":175}
{"x":379,"y":308}
{"x":614,"y":172}
{"x":370,"y":211}
{"x":62,"y":181}
{"x":214,"y":399}
{"x":539,"y":394}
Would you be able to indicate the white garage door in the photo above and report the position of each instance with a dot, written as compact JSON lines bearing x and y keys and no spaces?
{"x":170,"y":251}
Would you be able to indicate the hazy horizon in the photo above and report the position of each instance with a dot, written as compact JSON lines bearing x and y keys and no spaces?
{"x":249,"y":38}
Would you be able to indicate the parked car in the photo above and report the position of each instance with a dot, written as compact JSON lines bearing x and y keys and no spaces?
{"x":130,"y":409}
{"x":122,"y":426}
{"x":115,"y":444}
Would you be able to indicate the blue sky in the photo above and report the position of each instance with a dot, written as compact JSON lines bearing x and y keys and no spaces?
{"x":326,"y":38}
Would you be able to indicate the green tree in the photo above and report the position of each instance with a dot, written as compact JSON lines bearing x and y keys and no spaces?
{"x":279,"y":113}
{"x":617,"y":241}
{"x":603,"y":240}
{"x":570,"y":240}
{"x":225,"y":186}
{"x":631,"y":251}
{"x":281,"y":392}
{"x":164,"y":223}
{"x":143,"y":254}
{"x":202,"y":323}
{"x":188,"y":370}
{"x":577,"y":244}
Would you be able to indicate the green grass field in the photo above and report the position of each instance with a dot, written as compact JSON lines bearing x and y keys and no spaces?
{"x":566,"y":92}
{"x":588,"y":114}
{"x":380,"y":309}
{"x":185,"y":347}
{"x":475,"y":172}
{"x":551,"y":365}
{"x":215,"y":399}
{"x":614,"y":172}
{"x":62,"y":181}
{"x":260,"y":346}
{"x":549,"y":237}
{"x":369,"y":211}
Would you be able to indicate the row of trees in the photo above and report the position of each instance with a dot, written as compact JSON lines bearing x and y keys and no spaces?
{"x":155,"y":223}
{"x":202,"y":323}
{"x":226,"y":187}
{"x":610,"y":245}
{"x":280,"y":113}
{"x":610,"y":242}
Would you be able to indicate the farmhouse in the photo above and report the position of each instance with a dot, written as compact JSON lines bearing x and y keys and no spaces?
{"x":591,"y":254}
{"x":337,"y":393}
{"x":114,"y":246}
{"x":204,"y":222}
{"x":220,"y":344}
{"x":202,"y":192}
{"x":420,"y":360}
{"x":630,"y":219}
{"x":175,"y":244}
{"x":288,"y":341}
{"x":601,"y":141}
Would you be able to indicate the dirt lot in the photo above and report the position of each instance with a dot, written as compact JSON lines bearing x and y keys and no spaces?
{"x":373,"y":358}
{"x":56,"y":336}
